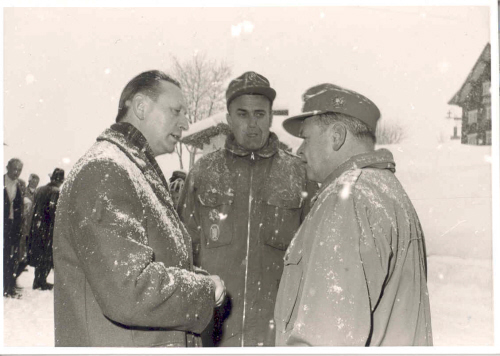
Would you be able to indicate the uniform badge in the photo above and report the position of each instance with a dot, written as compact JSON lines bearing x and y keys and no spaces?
{"x":338,"y":101}
{"x":213,"y":215}
{"x":214,"y":232}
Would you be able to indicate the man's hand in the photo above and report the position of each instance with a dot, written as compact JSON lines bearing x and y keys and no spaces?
{"x":220,"y":290}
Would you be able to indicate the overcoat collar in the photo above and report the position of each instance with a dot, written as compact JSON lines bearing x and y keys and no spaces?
{"x":380,"y":159}
{"x":131,"y":142}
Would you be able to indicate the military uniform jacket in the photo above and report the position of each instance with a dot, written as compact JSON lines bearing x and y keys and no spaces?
{"x":355,"y":273}
{"x":242,"y":210}
{"x":122,"y":257}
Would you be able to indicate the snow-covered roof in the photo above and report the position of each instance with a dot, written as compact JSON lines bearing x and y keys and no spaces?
{"x":481,"y":64}
{"x":204,"y":124}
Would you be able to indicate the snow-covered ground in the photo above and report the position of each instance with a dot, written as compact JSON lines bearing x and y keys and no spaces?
{"x":29,"y":321}
{"x":450,"y":186}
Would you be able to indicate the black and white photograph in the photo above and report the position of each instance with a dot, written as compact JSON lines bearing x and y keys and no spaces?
{"x":258,"y":175}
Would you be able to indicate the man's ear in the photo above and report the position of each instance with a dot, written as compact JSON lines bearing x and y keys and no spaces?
{"x":338,"y":134}
{"x":139,"y":105}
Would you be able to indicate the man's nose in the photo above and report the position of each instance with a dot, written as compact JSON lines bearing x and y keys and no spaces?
{"x":300,"y":150}
{"x":252,"y":122}
{"x":184,"y":123}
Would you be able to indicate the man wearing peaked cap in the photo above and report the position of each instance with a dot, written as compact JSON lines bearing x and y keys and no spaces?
{"x":242,"y":206}
{"x":40,"y":240}
{"x":331,"y":98}
{"x":355,"y":273}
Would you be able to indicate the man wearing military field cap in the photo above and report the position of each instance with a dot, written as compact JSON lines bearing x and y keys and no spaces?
{"x":242,"y":205}
{"x":355,"y":273}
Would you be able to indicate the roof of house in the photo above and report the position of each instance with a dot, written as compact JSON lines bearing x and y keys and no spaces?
{"x":482,"y":63}
{"x":200,"y":132}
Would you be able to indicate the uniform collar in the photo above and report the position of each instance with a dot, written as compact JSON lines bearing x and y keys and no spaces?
{"x":379,"y":159}
{"x":269,"y":149}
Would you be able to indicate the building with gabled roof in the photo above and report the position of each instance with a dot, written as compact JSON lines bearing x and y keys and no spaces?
{"x":474,"y":97}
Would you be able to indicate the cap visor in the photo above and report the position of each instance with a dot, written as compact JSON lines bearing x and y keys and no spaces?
{"x":293,"y":124}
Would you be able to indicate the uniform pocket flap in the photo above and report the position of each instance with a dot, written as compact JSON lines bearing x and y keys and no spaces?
{"x":285,"y":202}
{"x":214,"y":198}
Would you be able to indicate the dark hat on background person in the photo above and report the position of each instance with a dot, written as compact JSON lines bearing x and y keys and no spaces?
{"x":176,"y":175}
{"x":330,"y":98}
{"x":247,"y":84}
{"x":57,"y":175}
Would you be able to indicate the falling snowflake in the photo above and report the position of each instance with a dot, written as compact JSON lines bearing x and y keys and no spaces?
{"x":30,"y":79}
{"x":346,"y":191}
{"x":245,"y":27}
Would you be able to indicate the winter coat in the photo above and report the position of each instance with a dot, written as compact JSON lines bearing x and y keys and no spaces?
{"x":42,"y":226}
{"x":242,"y":210}
{"x":18,"y":207}
{"x":123,"y":260}
{"x":29,"y":199}
{"x":355,"y":273}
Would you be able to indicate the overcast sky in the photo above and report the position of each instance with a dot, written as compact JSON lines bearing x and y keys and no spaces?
{"x":64,"y":68}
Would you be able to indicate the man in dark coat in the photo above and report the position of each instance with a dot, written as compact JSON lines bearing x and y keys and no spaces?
{"x":12,"y":223}
{"x":355,"y":273}
{"x":242,"y":205}
{"x":42,"y":230}
{"x":29,"y":198}
{"x":123,"y":263}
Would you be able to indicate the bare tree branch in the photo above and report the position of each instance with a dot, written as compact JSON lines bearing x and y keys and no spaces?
{"x":203,"y":83}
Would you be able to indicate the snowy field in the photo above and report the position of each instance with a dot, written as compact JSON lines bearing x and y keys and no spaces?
{"x":450,"y":186}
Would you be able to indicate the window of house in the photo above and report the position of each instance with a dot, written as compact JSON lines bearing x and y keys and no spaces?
{"x":486,"y":88}
{"x":472,"y":139}
{"x":488,"y":113}
{"x":472,"y":116}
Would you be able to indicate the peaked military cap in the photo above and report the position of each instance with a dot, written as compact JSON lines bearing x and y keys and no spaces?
{"x":249,"y":83}
{"x":57,"y":175}
{"x":330,"y":98}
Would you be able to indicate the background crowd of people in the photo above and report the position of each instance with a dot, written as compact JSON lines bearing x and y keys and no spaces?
{"x":29,"y":215}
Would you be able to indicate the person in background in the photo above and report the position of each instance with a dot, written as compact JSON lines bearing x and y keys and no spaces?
{"x":12,"y":224}
{"x":40,"y":240}
{"x":355,"y":273}
{"x":29,"y":198}
{"x":242,"y":205}
{"x":124,"y":272}
{"x":176,"y":183}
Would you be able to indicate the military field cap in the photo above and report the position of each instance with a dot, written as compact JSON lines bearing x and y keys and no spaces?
{"x":176,"y":175}
{"x":57,"y":175}
{"x":249,"y":83}
{"x":325,"y":98}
